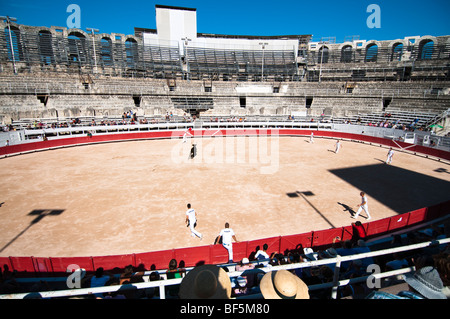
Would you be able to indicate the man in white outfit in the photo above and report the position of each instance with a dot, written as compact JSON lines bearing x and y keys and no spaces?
{"x":227,"y":234}
{"x":338,"y":147}
{"x":363,"y":206}
{"x":390,"y":154}
{"x":191,"y":221}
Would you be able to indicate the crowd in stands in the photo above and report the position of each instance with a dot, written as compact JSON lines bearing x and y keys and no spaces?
{"x":432,"y":264}
{"x":131,"y":118}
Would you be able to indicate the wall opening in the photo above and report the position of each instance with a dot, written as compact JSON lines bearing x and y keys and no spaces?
{"x":397,"y":51}
{"x":346,"y":54}
{"x":426,"y":49}
{"x":386,"y":102}
{"x":43,"y":98}
{"x":242,"y":102}
{"x":137,"y":100}
{"x":371,"y":53}
{"x":309,"y":101}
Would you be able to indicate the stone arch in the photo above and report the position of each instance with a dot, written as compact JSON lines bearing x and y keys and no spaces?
{"x":45,"y":44}
{"x":131,"y":51}
{"x":346,"y":50}
{"x":106,"y":51}
{"x":76,"y":40}
{"x":426,"y":47}
{"x":13,"y":43}
{"x":323,"y":54}
{"x":371,"y":51}
{"x":395,"y":49}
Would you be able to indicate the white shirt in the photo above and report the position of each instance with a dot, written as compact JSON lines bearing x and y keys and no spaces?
{"x":191,"y":215}
{"x":227,"y":235}
{"x":261,"y":253}
{"x":364,"y":201}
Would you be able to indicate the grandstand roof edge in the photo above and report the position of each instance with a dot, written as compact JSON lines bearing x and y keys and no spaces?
{"x":173,"y":7}
{"x":292,"y":36}
{"x":306,"y":37}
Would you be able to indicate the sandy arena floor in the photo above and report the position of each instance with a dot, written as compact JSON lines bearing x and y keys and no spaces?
{"x":131,"y":197}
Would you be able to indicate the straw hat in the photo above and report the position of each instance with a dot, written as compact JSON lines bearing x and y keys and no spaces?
{"x":206,"y":282}
{"x":427,"y":282}
{"x":282,"y":284}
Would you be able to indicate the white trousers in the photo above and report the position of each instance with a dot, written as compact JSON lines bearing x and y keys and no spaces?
{"x":389,"y":160}
{"x":229,"y":247}
{"x":365,"y":208}
{"x":193,"y":231}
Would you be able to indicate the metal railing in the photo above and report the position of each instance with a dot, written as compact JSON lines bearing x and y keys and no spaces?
{"x":419,"y":137}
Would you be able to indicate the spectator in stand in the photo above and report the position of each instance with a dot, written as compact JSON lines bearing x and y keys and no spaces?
{"x":356,"y":269}
{"x":357,"y":290}
{"x":153,"y":292}
{"x":328,"y":253}
{"x":171,"y":273}
{"x":244,"y":265}
{"x":206,"y":282}
{"x":128,"y":274}
{"x":442,"y":262}
{"x":250,"y":272}
{"x":425,"y":283}
{"x":114,"y":294}
{"x":361,"y":247}
{"x":359,"y":232}
{"x":346,"y":250}
{"x":99,"y":280}
{"x":282,"y":284}
{"x":8,"y":283}
{"x":398,"y":262}
{"x":240,"y":286}
{"x":134,"y":293}
{"x":262,"y":255}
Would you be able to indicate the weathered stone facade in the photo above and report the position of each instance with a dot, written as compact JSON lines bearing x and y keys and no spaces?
{"x":52,"y":72}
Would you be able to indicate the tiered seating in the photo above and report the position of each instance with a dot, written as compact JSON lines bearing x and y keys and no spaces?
{"x":393,"y":119}
{"x":162,"y":59}
{"x":244,"y":62}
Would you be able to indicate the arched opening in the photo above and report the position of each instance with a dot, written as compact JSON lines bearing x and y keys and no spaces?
{"x":45,"y":47}
{"x":131,"y":49}
{"x":106,"y":51}
{"x":323,"y":55}
{"x":426,"y":49}
{"x":397,"y":51}
{"x":346,"y":54}
{"x":13,"y":46}
{"x":77,"y":47}
{"x":371,"y":53}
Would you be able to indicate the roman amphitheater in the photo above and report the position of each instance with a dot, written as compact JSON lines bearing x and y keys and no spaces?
{"x":98,"y":128}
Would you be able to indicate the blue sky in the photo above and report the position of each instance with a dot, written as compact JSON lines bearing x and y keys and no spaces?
{"x":320,"y":18}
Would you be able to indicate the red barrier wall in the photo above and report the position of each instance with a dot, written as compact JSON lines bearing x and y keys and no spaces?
{"x":12,"y":149}
{"x":216,"y":254}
